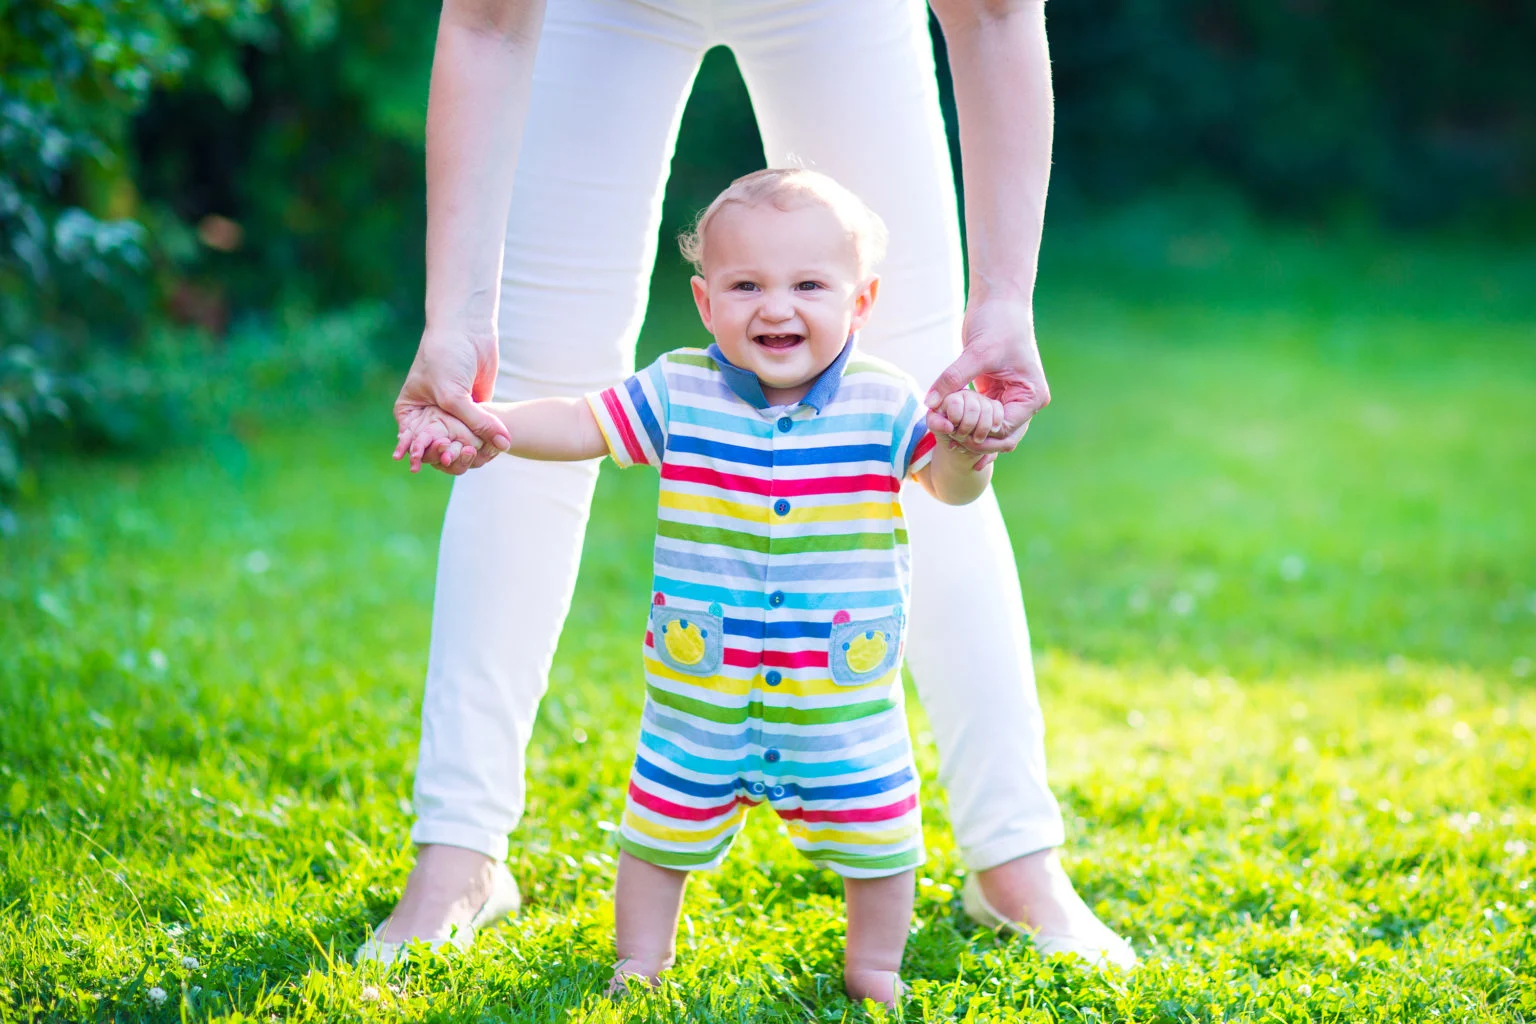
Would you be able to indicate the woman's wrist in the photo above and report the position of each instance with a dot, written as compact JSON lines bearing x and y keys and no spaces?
{"x":1007,"y":287}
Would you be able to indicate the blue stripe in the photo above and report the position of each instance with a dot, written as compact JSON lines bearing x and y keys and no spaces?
{"x":832,"y":453}
{"x":917,"y":439}
{"x":757,"y":599}
{"x":724,"y":452}
{"x":816,"y":455}
{"x":853,"y":790}
{"x":696,"y":416}
{"x":891,"y":753}
{"x":647,"y":417}
{"x":757,"y":630}
{"x":865,"y":731}
{"x":682,"y":785}
{"x":807,"y":794}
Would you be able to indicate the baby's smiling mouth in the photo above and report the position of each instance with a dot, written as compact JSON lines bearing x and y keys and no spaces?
{"x":778,"y":340}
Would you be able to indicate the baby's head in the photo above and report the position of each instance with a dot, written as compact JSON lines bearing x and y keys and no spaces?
{"x":786,"y":262}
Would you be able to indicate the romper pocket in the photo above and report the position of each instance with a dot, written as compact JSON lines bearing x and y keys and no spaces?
{"x":861,"y":652}
{"x":688,"y":641}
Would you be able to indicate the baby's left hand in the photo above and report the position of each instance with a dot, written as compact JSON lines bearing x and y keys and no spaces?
{"x":431,"y":435}
{"x":966,"y":417}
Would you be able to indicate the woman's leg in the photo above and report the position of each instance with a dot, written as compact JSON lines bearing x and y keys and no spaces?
{"x":849,"y":89}
{"x":608,"y":92}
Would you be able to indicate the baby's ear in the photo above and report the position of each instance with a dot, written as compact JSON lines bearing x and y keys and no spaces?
{"x":701,"y":299}
{"x":864,"y":302}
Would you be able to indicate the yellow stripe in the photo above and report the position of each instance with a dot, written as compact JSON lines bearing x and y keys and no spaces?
{"x":760,"y":514}
{"x":714,"y":507}
{"x":598,"y":415}
{"x":893,"y":836}
{"x":683,"y":835}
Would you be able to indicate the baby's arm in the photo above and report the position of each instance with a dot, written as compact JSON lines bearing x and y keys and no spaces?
{"x":952,"y":475}
{"x":551,"y":429}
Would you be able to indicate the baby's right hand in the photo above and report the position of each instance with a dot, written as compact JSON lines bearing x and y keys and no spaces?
{"x":966,"y":417}
{"x":431,"y":435}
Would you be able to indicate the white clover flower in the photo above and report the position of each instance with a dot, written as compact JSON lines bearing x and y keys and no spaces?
{"x":189,"y":962}
{"x":370,"y":994}
{"x":157,"y":996}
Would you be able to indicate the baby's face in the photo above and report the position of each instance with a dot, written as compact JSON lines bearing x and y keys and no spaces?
{"x":781,"y":292}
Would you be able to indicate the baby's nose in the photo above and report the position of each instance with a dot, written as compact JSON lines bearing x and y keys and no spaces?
{"x":777,"y":307}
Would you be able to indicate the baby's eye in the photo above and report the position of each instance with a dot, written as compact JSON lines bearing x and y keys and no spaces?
{"x":807,"y":286}
{"x":744,"y":286}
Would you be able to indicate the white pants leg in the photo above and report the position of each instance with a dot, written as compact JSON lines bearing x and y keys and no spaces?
{"x":849,"y":89}
{"x":608,"y":93}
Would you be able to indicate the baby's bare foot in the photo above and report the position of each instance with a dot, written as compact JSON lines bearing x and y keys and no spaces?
{"x":881,"y":986}
{"x":629,"y":975}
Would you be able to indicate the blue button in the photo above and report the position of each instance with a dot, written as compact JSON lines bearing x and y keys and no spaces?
{"x":781,"y":507}
{"x":757,"y":787}
{"x":776,"y":598}
{"x":771,"y":756}
{"x":774,"y":678}
{"x":777,"y":792}
{"x":785,"y":423}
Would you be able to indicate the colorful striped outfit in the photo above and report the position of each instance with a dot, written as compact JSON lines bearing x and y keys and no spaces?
{"x":773,"y":652}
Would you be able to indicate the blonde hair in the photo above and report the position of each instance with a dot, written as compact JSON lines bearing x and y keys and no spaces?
{"x":788,"y":188}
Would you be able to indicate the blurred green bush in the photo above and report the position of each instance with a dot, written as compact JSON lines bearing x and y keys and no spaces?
{"x":191,"y":163}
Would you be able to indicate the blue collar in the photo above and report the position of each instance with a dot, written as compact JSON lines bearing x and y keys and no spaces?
{"x":750,"y":390}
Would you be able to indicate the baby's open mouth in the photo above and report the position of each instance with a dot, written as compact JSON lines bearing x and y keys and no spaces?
{"x":779,"y":340}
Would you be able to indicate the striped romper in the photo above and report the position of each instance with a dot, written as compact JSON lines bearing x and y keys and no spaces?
{"x":773,"y":649}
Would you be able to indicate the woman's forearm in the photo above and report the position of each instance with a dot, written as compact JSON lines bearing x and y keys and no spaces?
{"x":482,"y":70}
{"x":1001,"y":68}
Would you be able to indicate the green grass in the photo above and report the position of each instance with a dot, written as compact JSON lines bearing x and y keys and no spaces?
{"x":1276,"y":543}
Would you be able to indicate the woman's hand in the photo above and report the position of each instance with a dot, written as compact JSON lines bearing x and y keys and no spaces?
{"x":1001,"y":356}
{"x":452,"y":371}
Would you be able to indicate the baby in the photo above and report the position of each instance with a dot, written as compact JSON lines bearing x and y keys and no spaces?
{"x":772,"y":653}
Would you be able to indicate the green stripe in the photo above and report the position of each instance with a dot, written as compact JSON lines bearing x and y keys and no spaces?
{"x":712,"y":535}
{"x":670,"y":858}
{"x":698,"y":359}
{"x":767,"y":713}
{"x":825,"y":542}
{"x":905,"y":859}
{"x":834,"y":542}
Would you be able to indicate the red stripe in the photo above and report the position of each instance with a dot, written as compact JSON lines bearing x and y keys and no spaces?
{"x":924,"y":447}
{"x":781,"y":488}
{"x":854,"y":814}
{"x":837,"y":485}
{"x":795,"y":659}
{"x":738,"y":658}
{"x":621,"y":421}
{"x":725,"y":481}
{"x":655,"y":803}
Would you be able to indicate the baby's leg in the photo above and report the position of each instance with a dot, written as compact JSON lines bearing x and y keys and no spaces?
{"x":879,"y":914}
{"x":646,"y":904}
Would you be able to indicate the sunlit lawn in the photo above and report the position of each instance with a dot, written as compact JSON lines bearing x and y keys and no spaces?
{"x":1276,"y":541}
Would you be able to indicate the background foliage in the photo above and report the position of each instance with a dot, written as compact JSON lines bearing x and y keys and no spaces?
{"x":206,"y":162}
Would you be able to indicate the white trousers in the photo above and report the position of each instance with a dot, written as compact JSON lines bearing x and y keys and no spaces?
{"x":846,"y":87}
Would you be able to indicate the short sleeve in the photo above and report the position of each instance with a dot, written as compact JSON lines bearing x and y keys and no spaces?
{"x":633,"y":416}
{"x":912,"y":445}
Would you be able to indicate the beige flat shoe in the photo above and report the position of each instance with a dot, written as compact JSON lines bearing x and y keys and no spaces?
{"x":1101,"y":947}
{"x":503,"y":902}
